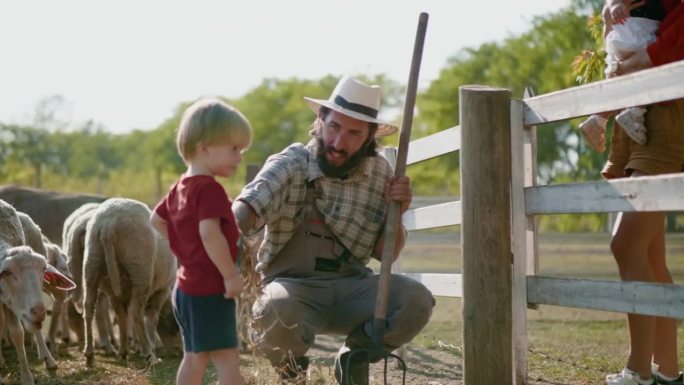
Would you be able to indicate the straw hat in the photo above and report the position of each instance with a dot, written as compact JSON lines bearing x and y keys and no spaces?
{"x":357,"y":100}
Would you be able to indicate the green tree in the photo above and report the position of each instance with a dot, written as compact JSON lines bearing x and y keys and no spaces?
{"x":540,"y":59}
{"x":28,"y":146}
{"x":160,"y":150}
{"x":33,"y":145}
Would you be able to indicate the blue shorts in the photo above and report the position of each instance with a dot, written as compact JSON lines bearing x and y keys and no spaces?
{"x":207,"y":322}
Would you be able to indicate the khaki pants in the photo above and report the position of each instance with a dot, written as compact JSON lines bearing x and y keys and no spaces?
{"x":292,"y":311}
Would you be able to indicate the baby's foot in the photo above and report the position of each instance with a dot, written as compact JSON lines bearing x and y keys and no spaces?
{"x":593,"y":129}
{"x":632,"y":121}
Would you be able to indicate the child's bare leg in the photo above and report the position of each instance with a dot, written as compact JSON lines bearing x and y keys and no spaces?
{"x":191,"y":369}
{"x":227,"y":364}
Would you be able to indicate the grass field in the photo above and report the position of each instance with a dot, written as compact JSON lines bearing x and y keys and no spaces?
{"x":567,"y":346}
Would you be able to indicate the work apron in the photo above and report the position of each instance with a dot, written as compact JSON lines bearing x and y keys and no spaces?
{"x":314,"y":251}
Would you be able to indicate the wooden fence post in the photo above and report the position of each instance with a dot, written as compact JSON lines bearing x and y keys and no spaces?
{"x":486,"y":234}
{"x":524,"y":231}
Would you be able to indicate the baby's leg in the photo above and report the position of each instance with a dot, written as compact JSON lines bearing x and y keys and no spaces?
{"x":632,"y":121}
{"x":594,"y":131}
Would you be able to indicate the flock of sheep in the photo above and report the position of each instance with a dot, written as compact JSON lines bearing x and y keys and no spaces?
{"x":110,"y":258}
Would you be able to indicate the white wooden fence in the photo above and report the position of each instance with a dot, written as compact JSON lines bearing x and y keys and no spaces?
{"x":499,"y":278}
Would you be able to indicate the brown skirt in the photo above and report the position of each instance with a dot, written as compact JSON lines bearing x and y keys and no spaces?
{"x":662,"y":154}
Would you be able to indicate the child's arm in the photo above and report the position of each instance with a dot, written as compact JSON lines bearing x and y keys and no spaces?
{"x":216,"y":245}
{"x":617,"y":10}
{"x":159,"y":224}
{"x":607,"y":21}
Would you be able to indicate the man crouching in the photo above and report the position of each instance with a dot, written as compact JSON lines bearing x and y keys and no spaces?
{"x":324,"y":206}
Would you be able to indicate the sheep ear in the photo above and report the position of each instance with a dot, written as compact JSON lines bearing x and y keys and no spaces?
{"x":54,"y":278}
{"x":4,"y":270}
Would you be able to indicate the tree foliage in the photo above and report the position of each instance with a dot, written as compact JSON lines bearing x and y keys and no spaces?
{"x":539,"y":59}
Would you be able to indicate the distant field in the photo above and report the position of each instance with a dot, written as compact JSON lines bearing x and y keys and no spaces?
{"x":563,"y":255}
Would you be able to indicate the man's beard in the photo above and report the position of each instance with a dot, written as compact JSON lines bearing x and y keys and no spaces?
{"x":345,"y":168}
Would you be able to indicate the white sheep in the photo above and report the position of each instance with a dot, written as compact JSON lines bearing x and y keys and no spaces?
{"x":164,"y":275}
{"x":73,"y":245}
{"x":55,"y":257}
{"x":73,"y":241}
{"x":165,"y":266}
{"x":22,"y":272}
{"x":120,"y":252}
{"x":35,"y":240}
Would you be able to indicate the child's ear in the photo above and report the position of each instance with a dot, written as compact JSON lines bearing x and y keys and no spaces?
{"x":201,"y":147}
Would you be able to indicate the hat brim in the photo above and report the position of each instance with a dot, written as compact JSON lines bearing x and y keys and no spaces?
{"x":384,"y":128}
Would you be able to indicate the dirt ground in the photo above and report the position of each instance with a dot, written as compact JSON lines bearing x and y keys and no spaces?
{"x":424,"y":367}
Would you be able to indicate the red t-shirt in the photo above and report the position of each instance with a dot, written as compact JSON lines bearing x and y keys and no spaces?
{"x":190,"y":200}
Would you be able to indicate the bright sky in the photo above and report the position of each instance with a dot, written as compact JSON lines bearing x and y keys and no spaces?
{"x":128,"y":63}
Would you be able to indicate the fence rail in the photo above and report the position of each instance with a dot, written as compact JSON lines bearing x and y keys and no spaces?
{"x":645,"y":87}
{"x":625,"y":297}
{"x":647,"y":193}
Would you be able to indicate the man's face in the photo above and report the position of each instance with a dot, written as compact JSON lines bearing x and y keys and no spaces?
{"x":342,"y":139}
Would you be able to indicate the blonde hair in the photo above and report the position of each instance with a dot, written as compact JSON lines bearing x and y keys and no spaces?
{"x":211,"y":121}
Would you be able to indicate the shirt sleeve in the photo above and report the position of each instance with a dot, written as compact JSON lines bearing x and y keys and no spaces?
{"x":669,"y":44}
{"x":162,"y":210}
{"x":269,"y":189}
{"x":212,"y":202}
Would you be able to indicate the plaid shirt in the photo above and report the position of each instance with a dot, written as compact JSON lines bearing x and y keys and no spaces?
{"x":354,"y":208}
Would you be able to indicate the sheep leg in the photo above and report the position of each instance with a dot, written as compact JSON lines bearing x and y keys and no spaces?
{"x":105,"y":304}
{"x":64,"y":323}
{"x":122,"y":319}
{"x":43,"y":352}
{"x":133,"y":344}
{"x":90,"y":297}
{"x":153,"y":308}
{"x":76,"y":324}
{"x":16,"y":333}
{"x":2,"y":328}
{"x":55,"y":320}
{"x":104,"y":325}
{"x":3,"y":324}
{"x":137,"y":310}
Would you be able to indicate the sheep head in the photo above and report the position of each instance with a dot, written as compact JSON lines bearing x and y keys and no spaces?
{"x":22,"y":272}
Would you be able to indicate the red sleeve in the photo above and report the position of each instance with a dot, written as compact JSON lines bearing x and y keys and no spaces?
{"x":162,"y":210}
{"x":212,"y":202}
{"x":669,"y":45}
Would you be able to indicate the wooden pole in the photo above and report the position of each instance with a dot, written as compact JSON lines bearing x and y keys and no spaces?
{"x":486,"y":235}
{"x":393,"y":214}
